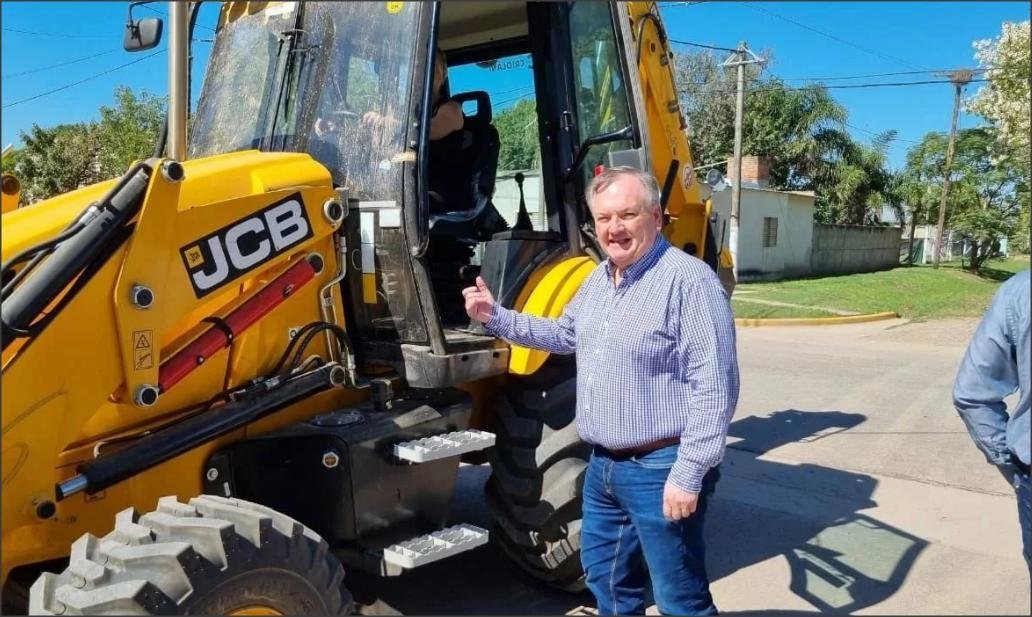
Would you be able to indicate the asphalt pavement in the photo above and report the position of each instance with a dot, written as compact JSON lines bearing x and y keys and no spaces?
{"x":849,"y":486}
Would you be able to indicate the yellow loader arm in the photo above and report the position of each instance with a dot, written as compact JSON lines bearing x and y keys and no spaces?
{"x":667,"y":138}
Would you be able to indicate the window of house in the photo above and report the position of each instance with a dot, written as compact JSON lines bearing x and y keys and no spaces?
{"x":770,"y":231}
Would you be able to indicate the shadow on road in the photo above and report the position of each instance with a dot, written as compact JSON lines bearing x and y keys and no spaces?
{"x":840,"y":559}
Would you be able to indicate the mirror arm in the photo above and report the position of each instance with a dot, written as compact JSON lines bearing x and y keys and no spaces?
{"x":626,"y":132}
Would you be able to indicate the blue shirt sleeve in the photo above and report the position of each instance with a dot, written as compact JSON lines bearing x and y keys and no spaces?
{"x":988,"y":374}
{"x":552,"y":335}
{"x":707,"y":349}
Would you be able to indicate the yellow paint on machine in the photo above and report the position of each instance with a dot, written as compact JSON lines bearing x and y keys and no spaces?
{"x":548,"y":298}
{"x":369,"y":288}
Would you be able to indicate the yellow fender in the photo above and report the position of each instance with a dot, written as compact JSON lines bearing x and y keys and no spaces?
{"x":546,"y":295}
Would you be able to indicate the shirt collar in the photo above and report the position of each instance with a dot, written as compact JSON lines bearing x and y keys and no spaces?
{"x":634,"y":271}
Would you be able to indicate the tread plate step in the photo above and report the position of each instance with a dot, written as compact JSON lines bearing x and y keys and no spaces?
{"x":435,"y":546}
{"x":442,"y":446}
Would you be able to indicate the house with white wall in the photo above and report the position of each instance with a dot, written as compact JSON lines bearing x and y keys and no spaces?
{"x":775,"y":233}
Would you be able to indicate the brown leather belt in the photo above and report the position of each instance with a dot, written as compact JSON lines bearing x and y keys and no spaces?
{"x":643,"y":449}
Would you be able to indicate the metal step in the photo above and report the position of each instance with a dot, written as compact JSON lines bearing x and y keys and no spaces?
{"x":442,"y":446}
{"x":435,"y":546}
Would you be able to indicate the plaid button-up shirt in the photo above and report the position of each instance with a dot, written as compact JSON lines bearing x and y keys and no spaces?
{"x":656,"y":356}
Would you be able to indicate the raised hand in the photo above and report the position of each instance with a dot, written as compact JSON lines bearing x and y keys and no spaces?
{"x":479,"y":301}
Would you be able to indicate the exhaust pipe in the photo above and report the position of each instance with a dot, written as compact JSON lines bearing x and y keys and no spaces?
{"x":178,"y":77}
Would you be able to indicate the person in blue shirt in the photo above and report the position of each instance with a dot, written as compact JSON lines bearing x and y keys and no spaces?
{"x":657,"y":385}
{"x":995,"y":366}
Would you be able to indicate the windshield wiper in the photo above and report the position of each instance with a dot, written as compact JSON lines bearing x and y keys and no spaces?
{"x":288,"y":40}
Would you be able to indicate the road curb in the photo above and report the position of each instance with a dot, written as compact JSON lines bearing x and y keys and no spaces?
{"x":815,"y":321}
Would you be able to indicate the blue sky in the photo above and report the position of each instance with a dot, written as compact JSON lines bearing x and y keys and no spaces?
{"x":858,"y":38}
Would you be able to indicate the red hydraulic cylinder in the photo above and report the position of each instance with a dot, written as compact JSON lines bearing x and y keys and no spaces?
{"x":239,"y":319}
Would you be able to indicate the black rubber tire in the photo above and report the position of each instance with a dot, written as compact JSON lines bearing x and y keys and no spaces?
{"x":537,"y":472}
{"x":211,"y":557}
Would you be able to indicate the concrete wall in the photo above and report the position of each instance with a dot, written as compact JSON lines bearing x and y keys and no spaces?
{"x":790,"y":256}
{"x":843,"y":249}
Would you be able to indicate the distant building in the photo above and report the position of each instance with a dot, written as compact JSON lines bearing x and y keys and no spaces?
{"x":775,"y":233}
{"x":778,"y":238}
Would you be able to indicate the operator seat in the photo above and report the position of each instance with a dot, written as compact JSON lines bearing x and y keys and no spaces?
{"x":462,"y":169}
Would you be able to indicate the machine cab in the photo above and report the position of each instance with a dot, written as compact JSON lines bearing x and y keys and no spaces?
{"x":353,"y":85}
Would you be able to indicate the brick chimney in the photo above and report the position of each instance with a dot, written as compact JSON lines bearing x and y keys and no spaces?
{"x":755,"y":171}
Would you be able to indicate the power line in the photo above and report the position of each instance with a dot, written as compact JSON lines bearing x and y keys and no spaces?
{"x":854,"y":86}
{"x":60,"y":64}
{"x":902,"y":83}
{"x":57,"y":34}
{"x":522,"y":97}
{"x":893,"y":74}
{"x":66,"y":86}
{"x":875,"y":134}
{"x":728,"y":49}
{"x":994,"y":77}
{"x":831,"y":36}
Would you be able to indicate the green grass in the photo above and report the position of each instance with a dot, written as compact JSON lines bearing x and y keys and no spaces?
{"x":763,"y":311}
{"x":914,"y":292}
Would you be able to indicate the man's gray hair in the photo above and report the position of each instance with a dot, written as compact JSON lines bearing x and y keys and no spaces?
{"x":650,"y":188}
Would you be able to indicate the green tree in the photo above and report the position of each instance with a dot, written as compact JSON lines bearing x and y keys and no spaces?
{"x":859,"y":182}
{"x":62,"y":158}
{"x":57,"y":160}
{"x":1004,"y":102}
{"x":518,"y":134}
{"x":128,"y":131}
{"x":706,"y":92}
{"x":800,"y":130}
{"x":985,"y":198}
{"x":915,"y":197}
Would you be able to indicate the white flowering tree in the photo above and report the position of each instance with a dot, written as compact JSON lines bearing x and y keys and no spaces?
{"x":1004,"y":102}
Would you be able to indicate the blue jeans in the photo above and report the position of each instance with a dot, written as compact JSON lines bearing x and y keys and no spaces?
{"x":1023,"y":488}
{"x":624,"y":532}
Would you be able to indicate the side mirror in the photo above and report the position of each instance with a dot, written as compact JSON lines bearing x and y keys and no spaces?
{"x":715,"y":180}
{"x":142,"y":35}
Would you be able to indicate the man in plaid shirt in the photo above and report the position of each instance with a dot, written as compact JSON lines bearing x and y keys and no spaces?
{"x":657,"y":385}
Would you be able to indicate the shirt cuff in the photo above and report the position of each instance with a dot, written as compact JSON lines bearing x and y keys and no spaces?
{"x":687,"y":476}
{"x":500,"y":322}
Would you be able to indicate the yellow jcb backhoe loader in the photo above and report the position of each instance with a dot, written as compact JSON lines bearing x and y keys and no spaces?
{"x":255,"y":337}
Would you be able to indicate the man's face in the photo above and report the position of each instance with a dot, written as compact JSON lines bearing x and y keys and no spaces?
{"x":625,"y":223}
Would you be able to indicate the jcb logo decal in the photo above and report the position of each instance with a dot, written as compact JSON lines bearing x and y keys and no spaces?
{"x":235,"y":249}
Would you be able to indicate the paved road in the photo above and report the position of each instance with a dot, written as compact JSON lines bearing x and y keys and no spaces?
{"x":849,"y":486}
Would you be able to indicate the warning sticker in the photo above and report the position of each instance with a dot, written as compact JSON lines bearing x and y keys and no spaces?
{"x":143,"y":349}
{"x":688,"y":176}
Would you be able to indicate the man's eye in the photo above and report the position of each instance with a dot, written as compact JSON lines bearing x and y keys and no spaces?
{"x":628,"y":216}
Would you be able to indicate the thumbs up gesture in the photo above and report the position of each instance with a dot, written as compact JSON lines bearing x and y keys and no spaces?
{"x":479,"y":301}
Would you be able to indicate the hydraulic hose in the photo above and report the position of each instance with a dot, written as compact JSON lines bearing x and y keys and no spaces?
{"x":24,"y":303}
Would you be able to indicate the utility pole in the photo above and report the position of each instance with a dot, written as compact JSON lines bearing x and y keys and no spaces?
{"x":742,"y":56}
{"x":960,"y":78}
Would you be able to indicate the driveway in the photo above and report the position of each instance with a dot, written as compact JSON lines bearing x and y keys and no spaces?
{"x":849,"y":485}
